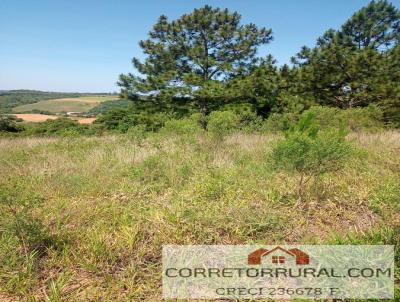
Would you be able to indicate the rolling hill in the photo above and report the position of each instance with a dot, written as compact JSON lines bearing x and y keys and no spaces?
{"x":10,"y":99}
{"x":77,"y":104}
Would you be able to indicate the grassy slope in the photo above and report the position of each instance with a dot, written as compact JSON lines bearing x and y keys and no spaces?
{"x":110,"y":204}
{"x":80,"y":104}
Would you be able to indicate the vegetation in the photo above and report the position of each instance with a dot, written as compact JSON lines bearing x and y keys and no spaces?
{"x":105,"y":106}
{"x":310,"y":152}
{"x":206,"y":61}
{"x":78,"y":104}
{"x":356,"y":65}
{"x":14,"y":98}
{"x":222,"y":122}
{"x":195,"y":58}
{"x":122,"y":119}
{"x":8,"y":124}
{"x":107,"y":204}
{"x":60,"y":126}
{"x":192,"y":56}
{"x":209,"y":145}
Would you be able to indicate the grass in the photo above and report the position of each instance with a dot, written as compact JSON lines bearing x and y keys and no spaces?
{"x":79,"y":104}
{"x":106,"y":205}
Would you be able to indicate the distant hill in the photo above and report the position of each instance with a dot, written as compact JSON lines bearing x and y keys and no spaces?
{"x":29,"y":91}
{"x":10,"y":99}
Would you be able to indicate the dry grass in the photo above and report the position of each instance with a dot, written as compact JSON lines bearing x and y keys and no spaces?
{"x":113,"y":202}
{"x":86,"y":121}
{"x":33,"y":117}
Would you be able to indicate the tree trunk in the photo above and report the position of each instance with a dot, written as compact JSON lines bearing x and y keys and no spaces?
{"x":300,"y":189}
{"x":203,"y":115}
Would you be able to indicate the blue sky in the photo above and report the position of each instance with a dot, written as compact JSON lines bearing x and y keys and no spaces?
{"x":84,"y":45}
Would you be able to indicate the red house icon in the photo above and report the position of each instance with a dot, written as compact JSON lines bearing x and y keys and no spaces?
{"x":300,"y":257}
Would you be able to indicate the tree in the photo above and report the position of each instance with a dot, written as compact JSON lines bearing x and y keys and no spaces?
{"x":391,"y":100}
{"x":349,"y":67}
{"x":8,"y":123}
{"x":195,"y":56}
{"x":376,"y":25}
{"x":342,"y":76}
{"x":308,"y":152}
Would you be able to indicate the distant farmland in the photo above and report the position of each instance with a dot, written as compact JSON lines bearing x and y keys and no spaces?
{"x":80,"y":104}
{"x":33,"y":117}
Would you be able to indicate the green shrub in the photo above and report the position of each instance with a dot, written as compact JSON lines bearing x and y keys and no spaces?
{"x":60,"y":126}
{"x":249,"y":120}
{"x":310,"y":152}
{"x":356,"y":119}
{"x":285,"y":112}
{"x":95,"y":130}
{"x":326,"y":117}
{"x":368,"y":118}
{"x":8,"y":124}
{"x":121,"y":119}
{"x":182,"y":126}
{"x":137,"y":132}
{"x":277,"y":122}
{"x":116,"y":119}
{"x":222,"y":122}
{"x":105,"y":106}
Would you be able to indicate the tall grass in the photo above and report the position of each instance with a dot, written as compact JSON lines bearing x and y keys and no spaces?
{"x":108,"y":204}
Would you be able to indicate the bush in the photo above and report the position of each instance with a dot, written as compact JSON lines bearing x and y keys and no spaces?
{"x":356,"y":119}
{"x":249,"y":120}
{"x":105,"y":106}
{"x":182,"y":126}
{"x":277,"y":122}
{"x":121,"y":119}
{"x":286,"y":111}
{"x":310,"y":152}
{"x":116,"y":119}
{"x":60,"y":126}
{"x":137,"y":132}
{"x":95,"y":130}
{"x":8,"y":124}
{"x":222,"y":122}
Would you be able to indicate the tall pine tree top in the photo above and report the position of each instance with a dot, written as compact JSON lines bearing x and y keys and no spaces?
{"x":376,"y":25}
{"x":182,"y":56}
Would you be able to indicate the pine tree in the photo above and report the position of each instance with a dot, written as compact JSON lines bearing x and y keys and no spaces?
{"x":349,"y":67}
{"x":376,"y":26}
{"x":195,"y":56}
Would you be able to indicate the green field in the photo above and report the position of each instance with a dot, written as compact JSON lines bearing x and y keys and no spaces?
{"x":13,"y":98}
{"x":94,"y":212}
{"x":79,"y":104}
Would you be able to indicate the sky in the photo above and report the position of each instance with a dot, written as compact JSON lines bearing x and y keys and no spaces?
{"x":83,"y":45}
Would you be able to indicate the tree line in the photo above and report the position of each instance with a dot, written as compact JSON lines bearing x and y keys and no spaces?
{"x":207,"y":60}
